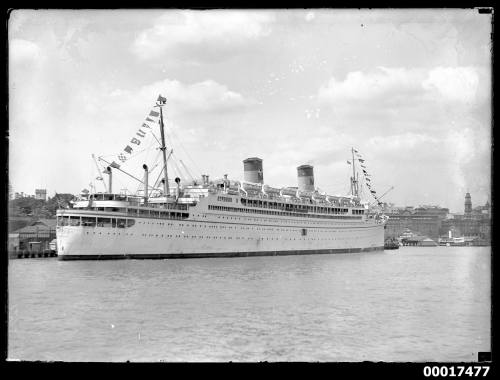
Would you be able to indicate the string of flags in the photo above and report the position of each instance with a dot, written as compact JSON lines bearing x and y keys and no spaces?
{"x":152,"y":118}
{"x":366,"y":176}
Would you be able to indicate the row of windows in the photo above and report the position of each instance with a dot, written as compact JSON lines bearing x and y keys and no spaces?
{"x":236,"y":227}
{"x":157,"y":214}
{"x":111,"y":209}
{"x":224,"y":199}
{"x":295,"y":207}
{"x":91,"y":221}
{"x":166,"y":206}
{"x":281,"y":213}
{"x":231,"y":238}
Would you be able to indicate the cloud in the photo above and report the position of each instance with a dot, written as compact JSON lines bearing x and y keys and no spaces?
{"x":23,"y":51}
{"x":415,"y":100}
{"x":453,"y":83}
{"x":183,"y":99}
{"x":187,"y":104}
{"x":365,"y":86}
{"x":402,"y":142}
{"x":470,"y":157}
{"x":214,"y":29}
{"x":386,"y":84}
{"x":205,"y":96}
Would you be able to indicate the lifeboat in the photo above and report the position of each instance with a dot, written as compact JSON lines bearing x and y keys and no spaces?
{"x":249,"y":186}
{"x":306,"y":194}
{"x":319,"y":197}
{"x":271,"y":190}
{"x":290,"y":191}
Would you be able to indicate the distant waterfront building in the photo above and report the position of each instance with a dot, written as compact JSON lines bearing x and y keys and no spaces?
{"x":424,"y":220}
{"x":435,"y":222}
{"x":41,"y":194}
{"x":474,"y":223}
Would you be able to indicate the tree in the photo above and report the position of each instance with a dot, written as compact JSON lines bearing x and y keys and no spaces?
{"x":26,"y":206}
{"x":60,"y":200}
{"x":39,"y":208}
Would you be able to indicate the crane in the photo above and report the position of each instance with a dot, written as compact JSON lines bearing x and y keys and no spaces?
{"x":99,"y":178}
{"x":185,"y":168}
{"x":378,"y":199}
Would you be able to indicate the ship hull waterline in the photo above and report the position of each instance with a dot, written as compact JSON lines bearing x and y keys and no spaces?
{"x":217,"y":254}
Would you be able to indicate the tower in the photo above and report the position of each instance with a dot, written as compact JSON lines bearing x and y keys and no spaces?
{"x":41,"y":194}
{"x":468,"y":204}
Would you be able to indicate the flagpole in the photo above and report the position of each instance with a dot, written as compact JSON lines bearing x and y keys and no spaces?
{"x":353,"y":184}
{"x":163,"y":149}
{"x":357,"y":184}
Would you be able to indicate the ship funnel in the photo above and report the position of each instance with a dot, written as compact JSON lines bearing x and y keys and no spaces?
{"x":178,"y":182}
{"x":253,"y":170}
{"x":146,"y":187}
{"x":163,"y":183}
{"x":108,"y":171}
{"x":305,"y":177}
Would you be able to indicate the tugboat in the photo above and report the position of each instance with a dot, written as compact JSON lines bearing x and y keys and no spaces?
{"x":391,"y":243}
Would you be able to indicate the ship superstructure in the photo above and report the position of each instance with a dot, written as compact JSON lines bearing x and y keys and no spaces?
{"x":217,"y":218}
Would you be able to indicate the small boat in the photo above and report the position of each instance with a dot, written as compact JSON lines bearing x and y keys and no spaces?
{"x":391,"y":244}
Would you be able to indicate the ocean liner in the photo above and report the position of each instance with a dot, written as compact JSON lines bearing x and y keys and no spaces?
{"x":216,"y":218}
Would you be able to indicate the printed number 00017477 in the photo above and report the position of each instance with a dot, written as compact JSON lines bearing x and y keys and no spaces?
{"x":452,"y":371}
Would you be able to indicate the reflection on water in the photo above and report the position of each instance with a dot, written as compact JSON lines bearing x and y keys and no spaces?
{"x":411,"y":304}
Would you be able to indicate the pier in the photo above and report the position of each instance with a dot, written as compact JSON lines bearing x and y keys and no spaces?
{"x":33,"y":241}
{"x":27,"y":254}
{"x":418,"y":241}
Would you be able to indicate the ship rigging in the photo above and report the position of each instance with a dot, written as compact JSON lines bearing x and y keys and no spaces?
{"x":212,"y":218}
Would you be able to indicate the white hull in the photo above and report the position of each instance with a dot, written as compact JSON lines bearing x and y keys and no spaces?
{"x":191,"y":238}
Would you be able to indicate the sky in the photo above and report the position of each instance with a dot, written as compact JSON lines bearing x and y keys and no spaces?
{"x":409,"y":89}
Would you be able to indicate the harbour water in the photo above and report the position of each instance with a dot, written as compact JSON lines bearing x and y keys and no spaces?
{"x":412,"y":304}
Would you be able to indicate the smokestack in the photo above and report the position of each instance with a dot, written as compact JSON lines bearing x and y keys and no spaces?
{"x":163,"y":183}
{"x":178,"y":182}
{"x":108,"y":171}
{"x":253,"y":170}
{"x":305,"y":177}
{"x":146,"y":187}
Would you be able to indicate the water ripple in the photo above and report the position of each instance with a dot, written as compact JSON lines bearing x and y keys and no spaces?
{"x":419,"y":304}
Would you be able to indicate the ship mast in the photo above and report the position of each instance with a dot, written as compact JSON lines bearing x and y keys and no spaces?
{"x":160,"y":103}
{"x":354,"y":182}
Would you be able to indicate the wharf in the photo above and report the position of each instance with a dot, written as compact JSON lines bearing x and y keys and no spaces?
{"x":34,"y":240}
{"x":418,"y":241}
{"x":27,"y":254}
